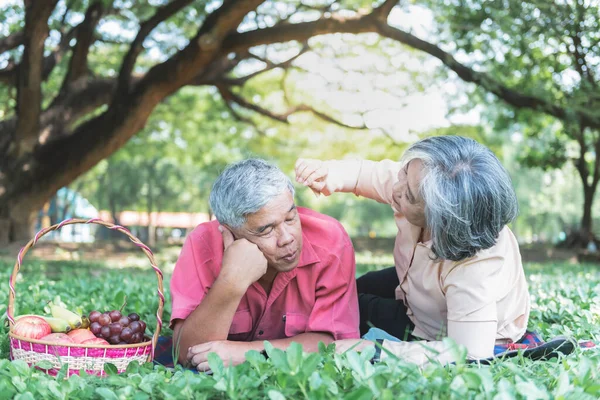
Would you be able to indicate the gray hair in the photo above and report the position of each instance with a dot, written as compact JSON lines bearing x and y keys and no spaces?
{"x":468,"y":195}
{"x":244,"y":188}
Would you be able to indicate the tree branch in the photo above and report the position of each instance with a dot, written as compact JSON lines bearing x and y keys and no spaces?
{"x":85,"y":37}
{"x":8,"y":75}
{"x":270,"y":66}
{"x":383,"y":11}
{"x":136,"y":47}
{"x":84,"y":96}
{"x":29,"y":78}
{"x":11,"y":41}
{"x":508,"y":95}
{"x":579,"y":53}
{"x":58,"y":162}
{"x":301,"y":32}
{"x":371,"y":23}
{"x":230,"y":97}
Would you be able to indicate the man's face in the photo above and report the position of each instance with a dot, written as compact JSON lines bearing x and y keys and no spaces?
{"x":406,"y":196}
{"x":277,"y":232}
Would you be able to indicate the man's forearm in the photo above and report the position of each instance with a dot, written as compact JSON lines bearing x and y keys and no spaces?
{"x":309,"y":341}
{"x":210,"y":321}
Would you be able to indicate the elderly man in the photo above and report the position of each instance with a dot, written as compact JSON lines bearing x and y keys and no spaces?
{"x":264,"y":270}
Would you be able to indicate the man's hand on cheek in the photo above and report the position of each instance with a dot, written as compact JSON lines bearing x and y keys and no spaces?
{"x":232,"y":353}
{"x":243,"y":262}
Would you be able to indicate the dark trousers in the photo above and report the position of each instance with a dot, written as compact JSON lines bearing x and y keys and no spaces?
{"x":378,"y":305}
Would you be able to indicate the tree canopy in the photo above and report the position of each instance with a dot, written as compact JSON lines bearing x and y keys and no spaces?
{"x":80,"y":78}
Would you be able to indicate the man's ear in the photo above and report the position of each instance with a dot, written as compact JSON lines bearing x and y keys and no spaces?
{"x":230,"y":229}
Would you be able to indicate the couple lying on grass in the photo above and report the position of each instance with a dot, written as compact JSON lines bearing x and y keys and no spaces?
{"x":268,"y":270}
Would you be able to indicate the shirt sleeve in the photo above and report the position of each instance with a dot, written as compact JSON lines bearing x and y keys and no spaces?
{"x":478,"y":339}
{"x":472,"y":289}
{"x":371,"y":179}
{"x":191,"y":279}
{"x":336,"y":304}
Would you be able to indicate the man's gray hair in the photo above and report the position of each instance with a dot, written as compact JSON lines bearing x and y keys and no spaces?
{"x":468,"y":195}
{"x":244,"y":188}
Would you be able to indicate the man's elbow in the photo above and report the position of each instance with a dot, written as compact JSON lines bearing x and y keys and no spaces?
{"x":180,"y":348}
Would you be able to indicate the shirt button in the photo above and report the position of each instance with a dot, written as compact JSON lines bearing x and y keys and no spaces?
{"x":260,"y":332}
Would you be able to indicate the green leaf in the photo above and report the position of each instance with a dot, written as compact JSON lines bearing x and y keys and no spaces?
{"x":315,"y":381}
{"x":310,"y":363}
{"x":361,"y":393}
{"x":216,"y":364}
{"x":119,"y":299}
{"x":472,"y":379}
{"x":294,"y":356}
{"x":25,"y":396}
{"x":21,"y":367}
{"x":132,"y":367}
{"x":54,"y":388}
{"x":110,"y":369}
{"x":19,"y":383}
{"x":106,"y":393}
{"x":44,"y":364}
{"x":275,"y":395}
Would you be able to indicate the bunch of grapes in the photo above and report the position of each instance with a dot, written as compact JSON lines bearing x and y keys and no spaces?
{"x":117,"y":328}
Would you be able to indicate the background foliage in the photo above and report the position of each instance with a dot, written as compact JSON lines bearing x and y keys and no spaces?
{"x":565,"y":300}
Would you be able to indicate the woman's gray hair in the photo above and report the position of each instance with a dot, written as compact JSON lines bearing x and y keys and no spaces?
{"x":468,"y":195}
{"x":244,"y":188}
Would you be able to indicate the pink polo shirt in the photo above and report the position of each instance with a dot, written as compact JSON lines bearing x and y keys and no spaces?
{"x":317,"y":296}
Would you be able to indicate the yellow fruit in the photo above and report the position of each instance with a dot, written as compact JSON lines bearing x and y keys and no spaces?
{"x":85,"y":322}
{"x":58,"y":325}
{"x":72,"y":319}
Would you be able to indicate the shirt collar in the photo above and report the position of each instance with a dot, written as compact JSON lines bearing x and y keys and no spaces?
{"x":308,"y":254}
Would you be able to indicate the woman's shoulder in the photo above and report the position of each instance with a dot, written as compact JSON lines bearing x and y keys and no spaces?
{"x":504,"y":255}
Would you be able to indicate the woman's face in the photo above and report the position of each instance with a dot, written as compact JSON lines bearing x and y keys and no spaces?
{"x":405,"y":193}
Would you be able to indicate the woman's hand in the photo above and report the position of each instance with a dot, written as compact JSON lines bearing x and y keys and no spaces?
{"x":312,"y":173}
{"x":358,"y":345}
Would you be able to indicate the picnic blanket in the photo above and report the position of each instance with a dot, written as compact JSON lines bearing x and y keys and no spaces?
{"x":530,"y":346}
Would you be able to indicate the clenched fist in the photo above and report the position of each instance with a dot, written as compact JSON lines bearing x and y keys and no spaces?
{"x":312,"y":173}
{"x":243,"y":262}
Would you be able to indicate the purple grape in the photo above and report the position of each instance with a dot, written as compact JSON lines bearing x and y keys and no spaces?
{"x":136,"y":327}
{"x":105,"y":332}
{"x":95,"y":327}
{"x":94,"y":316}
{"x":136,"y":338}
{"x":126,"y":334}
{"x":104,"y":319}
{"x":115,"y":328}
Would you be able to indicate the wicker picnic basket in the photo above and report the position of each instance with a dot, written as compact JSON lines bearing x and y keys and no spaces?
{"x":90,"y":358}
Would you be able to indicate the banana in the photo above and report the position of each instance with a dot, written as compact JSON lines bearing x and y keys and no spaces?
{"x":72,"y":319}
{"x":85,"y":322}
{"x":58,"y":325}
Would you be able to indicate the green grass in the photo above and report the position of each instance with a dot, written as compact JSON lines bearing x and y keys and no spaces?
{"x":565,"y":300}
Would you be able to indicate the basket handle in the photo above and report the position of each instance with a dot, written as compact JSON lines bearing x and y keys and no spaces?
{"x":135,"y":240}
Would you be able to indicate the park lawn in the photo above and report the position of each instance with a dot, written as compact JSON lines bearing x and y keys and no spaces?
{"x":565,"y":300}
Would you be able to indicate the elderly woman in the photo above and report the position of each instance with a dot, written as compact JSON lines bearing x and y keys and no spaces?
{"x":458,"y":270}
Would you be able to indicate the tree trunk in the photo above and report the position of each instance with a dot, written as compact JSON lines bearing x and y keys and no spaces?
{"x":18,"y":218}
{"x":586,"y":220}
{"x":150,"y":203}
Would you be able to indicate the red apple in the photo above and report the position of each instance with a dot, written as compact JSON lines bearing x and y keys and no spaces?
{"x":32,"y":327}
{"x":81,"y":335}
{"x":58,"y":338}
{"x":96,"y":341}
